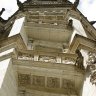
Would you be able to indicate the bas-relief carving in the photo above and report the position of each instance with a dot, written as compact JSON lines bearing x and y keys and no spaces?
{"x":24,"y":79}
{"x":47,"y":59}
{"x":69,"y":86}
{"x":53,"y":82}
{"x":38,"y":81}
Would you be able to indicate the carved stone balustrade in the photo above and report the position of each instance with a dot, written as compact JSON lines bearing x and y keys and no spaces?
{"x":24,"y":56}
{"x":47,"y":59}
{"x":47,"y":56}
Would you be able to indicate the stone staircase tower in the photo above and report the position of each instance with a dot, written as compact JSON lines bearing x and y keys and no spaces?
{"x":43,"y":48}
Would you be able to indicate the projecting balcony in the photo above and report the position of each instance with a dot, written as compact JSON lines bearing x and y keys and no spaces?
{"x":48,"y":72}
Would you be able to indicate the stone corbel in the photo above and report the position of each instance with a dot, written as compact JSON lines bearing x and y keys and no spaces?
{"x":70,"y":24}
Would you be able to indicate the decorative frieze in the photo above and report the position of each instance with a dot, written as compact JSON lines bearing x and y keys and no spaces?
{"x":47,"y":59}
{"x":39,"y":81}
{"x":24,"y":56}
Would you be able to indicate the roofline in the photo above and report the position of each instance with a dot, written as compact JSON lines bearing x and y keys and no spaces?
{"x":87,"y":21}
{"x":4,"y":22}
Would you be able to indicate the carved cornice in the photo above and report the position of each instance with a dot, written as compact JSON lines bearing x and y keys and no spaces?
{"x":81,"y":42}
{"x":17,"y":39}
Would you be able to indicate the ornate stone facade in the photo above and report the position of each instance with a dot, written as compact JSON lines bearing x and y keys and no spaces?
{"x":48,"y":83}
{"x":53,"y":65}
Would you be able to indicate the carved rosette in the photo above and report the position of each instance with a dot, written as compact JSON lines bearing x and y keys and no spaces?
{"x":38,"y":81}
{"x":53,"y":82}
{"x":24,"y":79}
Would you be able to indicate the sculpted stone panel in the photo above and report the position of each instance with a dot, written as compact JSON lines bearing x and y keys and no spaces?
{"x":53,"y":82}
{"x":47,"y":59}
{"x":67,"y":84}
{"x":24,"y":79}
{"x":38,"y":81}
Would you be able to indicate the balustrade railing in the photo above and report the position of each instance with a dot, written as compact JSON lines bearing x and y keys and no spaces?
{"x":47,"y":59}
{"x":64,"y":58}
{"x":24,"y":56}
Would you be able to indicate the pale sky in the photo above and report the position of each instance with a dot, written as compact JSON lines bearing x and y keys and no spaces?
{"x":87,"y":7}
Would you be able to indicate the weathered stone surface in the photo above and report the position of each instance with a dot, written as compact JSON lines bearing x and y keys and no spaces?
{"x":53,"y":82}
{"x":24,"y":79}
{"x":8,"y":83}
{"x":38,"y":81}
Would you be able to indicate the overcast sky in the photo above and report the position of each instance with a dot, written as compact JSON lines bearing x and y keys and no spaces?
{"x":87,"y":7}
